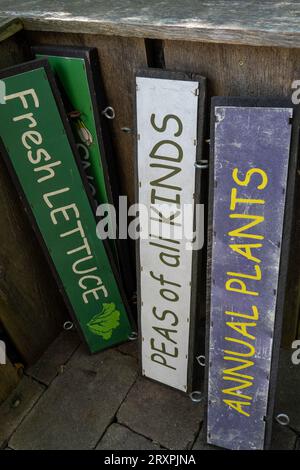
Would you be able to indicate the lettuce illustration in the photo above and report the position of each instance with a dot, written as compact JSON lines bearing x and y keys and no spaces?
{"x":105,"y":322}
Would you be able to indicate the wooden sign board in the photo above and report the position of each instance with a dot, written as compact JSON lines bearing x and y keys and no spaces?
{"x":40,"y":152}
{"x":170,"y":108}
{"x":78,"y":76}
{"x":254,"y":146}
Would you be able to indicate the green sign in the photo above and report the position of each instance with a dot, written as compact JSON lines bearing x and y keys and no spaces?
{"x":40,"y":152}
{"x":77,"y":76}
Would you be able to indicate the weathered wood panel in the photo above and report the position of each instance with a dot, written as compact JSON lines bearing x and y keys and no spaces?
{"x":245,"y":71}
{"x":31,"y":309}
{"x":119,"y":58}
{"x":237,"y":70}
{"x":291,"y":319}
{"x":238,"y":21}
{"x":8,"y":27}
{"x":9,"y":379}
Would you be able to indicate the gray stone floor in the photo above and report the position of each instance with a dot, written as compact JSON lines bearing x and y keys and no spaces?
{"x":71,"y":400}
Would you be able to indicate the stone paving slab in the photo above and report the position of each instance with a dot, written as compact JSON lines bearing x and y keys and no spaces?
{"x":80,"y":403}
{"x":201,"y":444}
{"x":80,"y":406}
{"x":131,"y":348}
{"x":55,"y":357}
{"x":288,"y":389}
{"x":282,"y":438}
{"x":17,"y":406}
{"x":161,"y":414}
{"x":120,"y":438}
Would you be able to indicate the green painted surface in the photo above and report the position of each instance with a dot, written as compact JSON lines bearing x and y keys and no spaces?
{"x":105,"y":322}
{"x":72,"y":75}
{"x":35,"y":139}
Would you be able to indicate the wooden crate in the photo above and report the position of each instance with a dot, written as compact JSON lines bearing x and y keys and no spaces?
{"x":242,"y":47}
{"x":31,"y":310}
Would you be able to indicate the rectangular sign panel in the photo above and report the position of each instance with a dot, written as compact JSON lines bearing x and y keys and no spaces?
{"x":169,"y":110}
{"x":78,"y":76}
{"x":71,"y":67}
{"x":41,"y":154}
{"x":251,"y":150}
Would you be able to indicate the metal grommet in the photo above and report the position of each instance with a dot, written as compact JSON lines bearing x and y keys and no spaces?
{"x":202,"y":165}
{"x":196,"y":396}
{"x":127,"y":130}
{"x":283,"y":419}
{"x":201,"y":360}
{"x":109,"y":112}
{"x":133,"y":336}
{"x":68,"y":325}
{"x":134,"y":298}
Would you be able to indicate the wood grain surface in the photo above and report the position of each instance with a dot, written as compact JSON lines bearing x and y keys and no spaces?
{"x":238,"y":22}
{"x":233,"y":70}
{"x":9,"y":380}
{"x":8,"y":27}
{"x":31,"y":309}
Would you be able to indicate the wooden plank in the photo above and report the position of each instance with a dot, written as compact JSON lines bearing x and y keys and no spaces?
{"x":30,"y":305}
{"x":274,"y":23}
{"x":8,"y":27}
{"x":246,"y":71}
{"x":12,"y":51}
{"x":31,"y":309}
{"x":9,"y":380}
{"x":237,"y":70}
{"x":291,"y":322}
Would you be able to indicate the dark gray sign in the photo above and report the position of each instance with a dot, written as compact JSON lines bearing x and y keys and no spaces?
{"x":251,"y":148}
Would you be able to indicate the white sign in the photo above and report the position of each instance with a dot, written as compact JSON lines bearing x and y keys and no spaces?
{"x":167,"y":112}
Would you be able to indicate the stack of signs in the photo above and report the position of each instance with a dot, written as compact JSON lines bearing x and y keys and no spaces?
{"x":170,"y":108}
{"x":78,"y":77}
{"x":38,"y":146}
{"x":254,"y":146}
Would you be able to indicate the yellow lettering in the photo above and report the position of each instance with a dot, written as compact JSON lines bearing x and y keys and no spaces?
{"x":237,"y":405}
{"x":251,"y":348}
{"x":245,"y":250}
{"x":248,"y":176}
{"x":234,"y":200}
{"x":244,"y":364}
{"x":254,"y":317}
{"x":256,"y":277}
{"x":238,"y":232}
{"x":241,"y":328}
{"x":236,"y":391}
{"x":242,"y":288}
